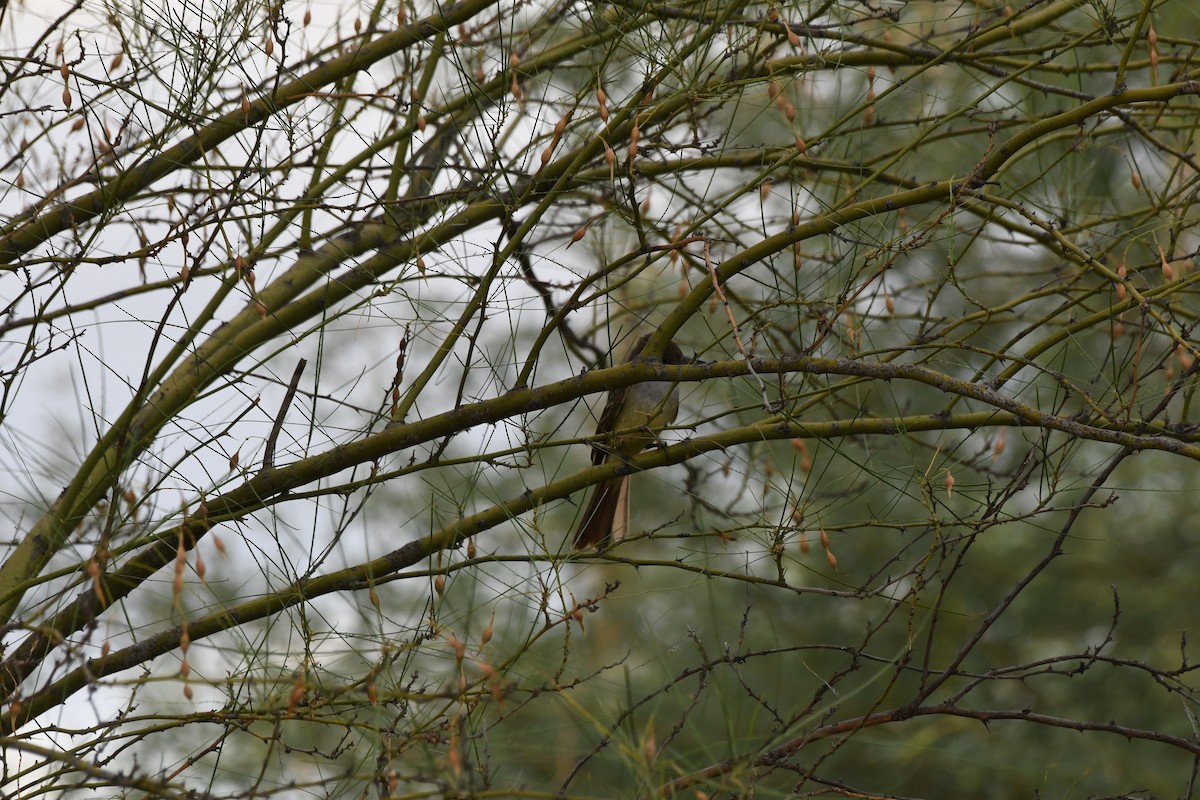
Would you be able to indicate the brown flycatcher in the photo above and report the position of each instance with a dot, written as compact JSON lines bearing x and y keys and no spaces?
{"x":632,"y":419}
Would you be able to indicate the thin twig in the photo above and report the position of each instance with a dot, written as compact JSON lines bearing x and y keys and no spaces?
{"x":269,"y":454}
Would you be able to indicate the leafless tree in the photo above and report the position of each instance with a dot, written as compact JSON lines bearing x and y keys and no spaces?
{"x":309,"y":312}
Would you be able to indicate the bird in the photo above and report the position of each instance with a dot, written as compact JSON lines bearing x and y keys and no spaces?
{"x":639,"y":412}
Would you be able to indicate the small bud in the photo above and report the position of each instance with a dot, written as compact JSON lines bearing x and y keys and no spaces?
{"x":460,"y":650}
{"x":832,"y":559}
{"x":296,"y":696}
{"x":1186,"y":359}
{"x":560,"y":127}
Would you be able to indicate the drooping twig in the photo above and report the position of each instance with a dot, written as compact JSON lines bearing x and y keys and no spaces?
{"x":269,"y":454}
